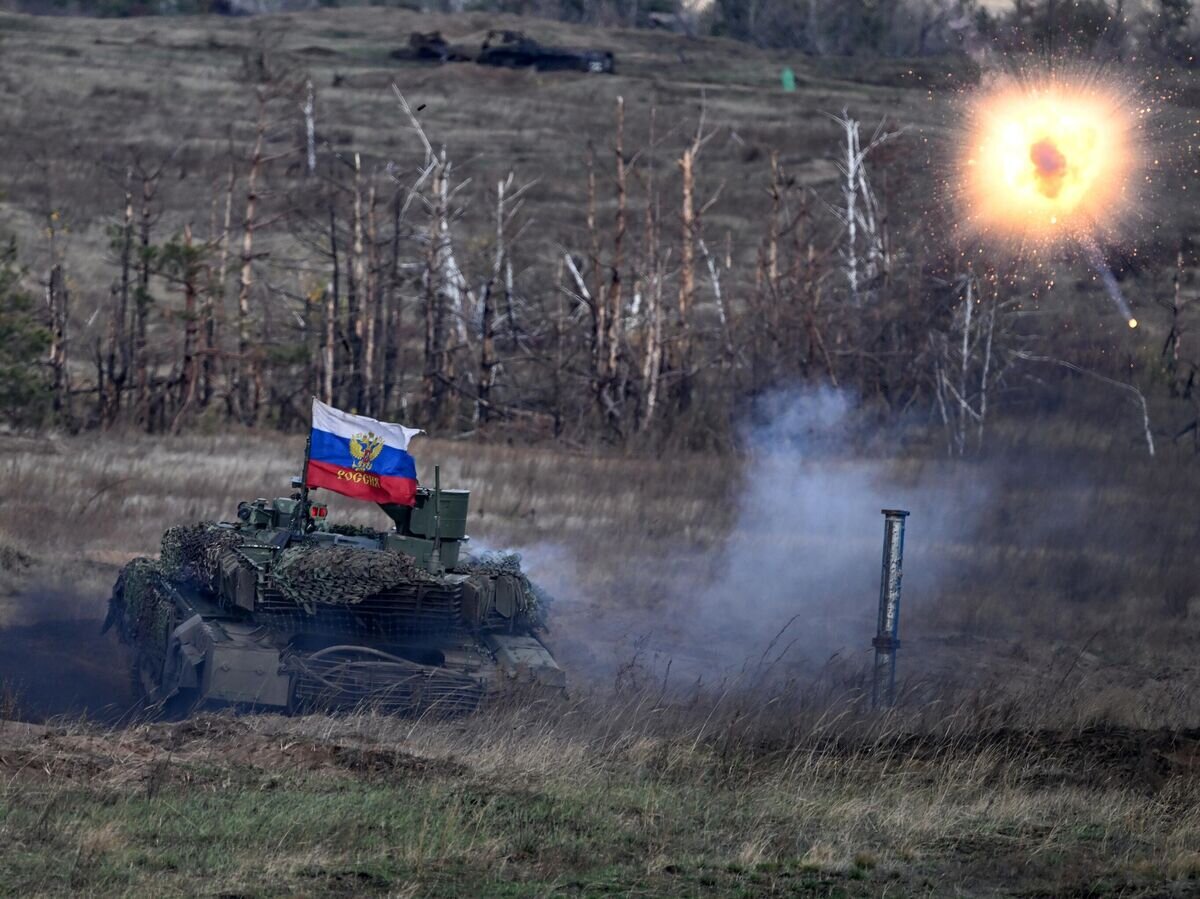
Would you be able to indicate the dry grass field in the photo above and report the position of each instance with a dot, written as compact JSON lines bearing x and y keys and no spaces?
{"x":714,"y":612}
{"x":1045,"y":745}
{"x":106,"y":90}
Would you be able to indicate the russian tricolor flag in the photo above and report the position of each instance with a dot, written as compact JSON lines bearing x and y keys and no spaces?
{"x":361,"y":457}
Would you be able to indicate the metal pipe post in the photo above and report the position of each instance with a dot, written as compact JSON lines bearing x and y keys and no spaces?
{"x":435,"y":558}
{"x":887,"y":635}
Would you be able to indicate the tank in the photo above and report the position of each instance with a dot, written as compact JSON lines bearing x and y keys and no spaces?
{"x":284,"y":610}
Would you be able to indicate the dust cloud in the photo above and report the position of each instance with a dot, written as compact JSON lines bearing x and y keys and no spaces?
{"x":54,"y":662}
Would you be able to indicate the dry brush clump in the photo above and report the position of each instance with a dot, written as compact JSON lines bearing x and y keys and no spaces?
{"x":633,"y":790}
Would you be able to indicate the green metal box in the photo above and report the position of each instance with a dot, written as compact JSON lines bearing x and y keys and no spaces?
{"x":454,"y":515}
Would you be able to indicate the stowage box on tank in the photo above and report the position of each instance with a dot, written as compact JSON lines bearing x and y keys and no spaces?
{"x":283,"y":610}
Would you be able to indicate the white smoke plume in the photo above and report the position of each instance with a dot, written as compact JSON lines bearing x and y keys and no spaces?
{"x":798,"y":575}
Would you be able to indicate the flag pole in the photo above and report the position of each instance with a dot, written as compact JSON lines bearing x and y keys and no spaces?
{"x":300,"y":516}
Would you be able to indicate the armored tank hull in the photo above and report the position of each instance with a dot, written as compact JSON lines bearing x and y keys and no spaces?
{"x":282,"y":611}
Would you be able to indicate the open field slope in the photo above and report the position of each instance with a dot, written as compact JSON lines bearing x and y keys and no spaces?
{"x":1046,"y":745}
{"x":82,"y":94}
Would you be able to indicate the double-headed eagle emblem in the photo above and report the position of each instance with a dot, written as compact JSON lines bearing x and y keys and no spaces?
{"x":365,"y":449}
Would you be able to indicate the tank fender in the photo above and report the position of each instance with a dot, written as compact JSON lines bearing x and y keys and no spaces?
{"x":187,"y":649}
{"x":243,"y":666}
{"x":525,"y":659}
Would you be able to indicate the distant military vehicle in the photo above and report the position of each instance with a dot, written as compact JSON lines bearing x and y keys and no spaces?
{"x":514,"y":49}
{"x":432,"y":47}
{"x":506,"y":49}
{"x":283,"y":610}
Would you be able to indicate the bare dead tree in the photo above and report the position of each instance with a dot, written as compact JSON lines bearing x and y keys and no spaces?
{"x":392,"y":378}
{"x":487,"y":343}
{"x":500,"y":280}
{"x":614,"y":315}
{"x":245,"y":403}
{"x":310,"y":127}
{"x":271,"y":85}
{"x":689,"y":233}
{"x":972,"y":357}
{"x":214,"y":303}
{"x":653,"y":264}
{"x":58,"y":301}
{"x":594,"y":298}
{"x":431,"y":169}
{"x":357,"y":300}
{"x":445,"y":291}
{"x":119,"y":346}
{"x":149,"y":178}
{"x":373,"y":308}
{"x":864,"y":252}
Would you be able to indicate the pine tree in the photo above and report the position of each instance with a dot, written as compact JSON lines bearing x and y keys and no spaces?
{"x":24,"y":393}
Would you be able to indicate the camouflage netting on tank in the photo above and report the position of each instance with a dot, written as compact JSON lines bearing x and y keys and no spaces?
{"x":489,"y":563}
{"x":341,"y":575}
{"x":353,"y":530}
{"x":190,"y":552}
{"x":493,"y":564}
{"x":138,"y":605}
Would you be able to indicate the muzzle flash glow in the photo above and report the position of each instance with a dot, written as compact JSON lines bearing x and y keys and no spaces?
{"x":1047,"y":161}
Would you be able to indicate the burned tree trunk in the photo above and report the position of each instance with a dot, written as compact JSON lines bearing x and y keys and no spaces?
{"x":332,"y":300}
{"x":189,"y":272}
{"x":614,"y":315}
{"x":433,"y":384}
{"x":687,"y":277}
{"x":371,"y":309}
{"x":142,"y":297}
{"x":356,"y":302}
{"x":57,"y":309}
{"x":119,"y":349}
{"x":651,"y":361}
{"x":393,"y":336}
{"x":246,"y":377}
{"x":214,"y":307}
{"x":487,"y":336}
{"x":595,"y":297}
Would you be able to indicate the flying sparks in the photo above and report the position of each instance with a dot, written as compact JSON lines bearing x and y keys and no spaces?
{"x":1096,"y":258}
{"x":1052,"y":160}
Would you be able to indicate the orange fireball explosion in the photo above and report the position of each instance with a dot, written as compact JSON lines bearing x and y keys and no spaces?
{"x":1049,"y":160}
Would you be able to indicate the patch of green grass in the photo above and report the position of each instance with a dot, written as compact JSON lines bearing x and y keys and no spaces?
{"x":315,"y":836}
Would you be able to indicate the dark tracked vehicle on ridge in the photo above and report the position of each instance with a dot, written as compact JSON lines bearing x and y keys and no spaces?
{"x":508,"y":50}
{"x":515,"y":49}
{"x":282,"y":610}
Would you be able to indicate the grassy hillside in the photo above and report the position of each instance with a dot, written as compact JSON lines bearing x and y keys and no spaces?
{"x":103,"y":87}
